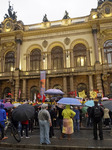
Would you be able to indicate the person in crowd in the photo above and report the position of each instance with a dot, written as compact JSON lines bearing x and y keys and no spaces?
{"x":59,"y":116}
{"x":44,"y":124}
{"x":67,"y":114}
{"x":53,"y":115}
{"x":106,"y":117}
{"x":25,"y":125}
{"x":97,"y":114}
{"x":76,"y":119}
{"x":89,"y":120}
{"x":2,"y":121}
{"x":80,"y":110}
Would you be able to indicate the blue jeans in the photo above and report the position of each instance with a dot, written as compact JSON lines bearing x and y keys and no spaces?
{"x":44,"y":131}
{"x":76,"y":124}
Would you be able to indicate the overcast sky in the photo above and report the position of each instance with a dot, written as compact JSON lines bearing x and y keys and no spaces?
{"x":32,"y":11}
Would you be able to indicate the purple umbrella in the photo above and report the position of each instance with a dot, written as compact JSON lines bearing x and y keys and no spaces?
{"x":69,"y":101}
{"x":54,"y":92}
{"x":8,"y":105}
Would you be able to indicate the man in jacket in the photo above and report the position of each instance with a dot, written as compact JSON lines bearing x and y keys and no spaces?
{"x":2,"y":121}
{"x":44,"y":124}
{"x":97,"y":115}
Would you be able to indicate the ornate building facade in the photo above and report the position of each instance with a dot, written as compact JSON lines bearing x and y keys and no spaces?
{"x":76,"y":54}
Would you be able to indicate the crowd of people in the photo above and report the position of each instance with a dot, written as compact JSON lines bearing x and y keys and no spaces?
{"x":67,"y":118}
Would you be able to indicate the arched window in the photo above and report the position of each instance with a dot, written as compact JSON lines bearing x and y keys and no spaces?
{"x":10,"y":61}
{"x":33,"y":93}
{"x":57,"y":57}
{"x":111,"y":88}
{"x":6,"y":91}
{"x":79,"y":52}
{"x":108,"y":51}
{"x":57,"y":86}
{"x":82,"y":87}
{"x":35,"y":59}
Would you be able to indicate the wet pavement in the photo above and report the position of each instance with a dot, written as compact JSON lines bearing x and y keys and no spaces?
{"x":82,"y":140}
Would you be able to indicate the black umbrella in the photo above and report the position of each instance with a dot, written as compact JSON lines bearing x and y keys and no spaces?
{"x":107,"y":104}
{"x":23,"y":112}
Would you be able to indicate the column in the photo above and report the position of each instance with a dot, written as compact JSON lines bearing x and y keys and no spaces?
{"x":19,"y":42}
{"x":99,"y":83}
{"x":88,"y":57}
{"x":64,"y":59}
{"x":94,"y":32}
{"x":28,"y":62}
{"x":24,"y":89}
{"x":71,"y":83}
{"x":16,"y":89}
{"x":90,"y":83}
{"x":47,"y":83}
{"x":71,"y":59}
{"x":49,"y":61}
{"x":65,"y":86}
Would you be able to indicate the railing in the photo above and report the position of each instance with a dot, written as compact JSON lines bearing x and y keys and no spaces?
{"x":58,"y":23}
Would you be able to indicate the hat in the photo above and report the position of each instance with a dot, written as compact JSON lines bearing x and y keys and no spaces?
{"x":44,"y":106}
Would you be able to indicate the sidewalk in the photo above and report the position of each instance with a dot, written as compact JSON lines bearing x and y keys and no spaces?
{"x":82,"y":140}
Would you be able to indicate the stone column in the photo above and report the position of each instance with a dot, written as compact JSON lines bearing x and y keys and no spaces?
{"x":94,"y":32}
{"x":28,"y":62}
{"x":65,"y":86}
{"x":24,"y":89}
{"x":99,"y":83}
{"x":49,"y":60}
{"x":71,"y":83}
{"x":90,"y":83}
{"x":88,"y":58}
{"x":64,"y":59}
{"x":16,"y":89}
{"x":2,"y":64}
{"x":71,"y":59}
{"x":47,"y":83}
{"x":18,"y":42}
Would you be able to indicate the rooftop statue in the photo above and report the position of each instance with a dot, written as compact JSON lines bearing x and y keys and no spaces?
{"x":66,"y":16}
{"x":11,"y":13}
{"x":45,"y":18}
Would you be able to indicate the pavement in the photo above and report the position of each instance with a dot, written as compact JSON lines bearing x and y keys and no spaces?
{"x":82,"y":140}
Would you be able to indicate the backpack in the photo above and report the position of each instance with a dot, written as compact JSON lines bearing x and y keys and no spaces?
{"x":97,"y":112}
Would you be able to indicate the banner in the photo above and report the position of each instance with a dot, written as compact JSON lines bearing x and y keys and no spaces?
{"x":42,"y":82}
{"x":82,"y":94}
{"x":93,"y":94}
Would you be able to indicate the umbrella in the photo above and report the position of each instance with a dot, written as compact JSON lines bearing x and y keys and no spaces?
{"x":84,"y":110}
{"x":54,"y":92}
{"x":8,"y":105}
{"x":89,"y":103}
{"x":23,"y":112}
{"x":105,"y":98}
{"x":16,"y":104}
{"x":69,"y":101}
{"x":107,"y":104}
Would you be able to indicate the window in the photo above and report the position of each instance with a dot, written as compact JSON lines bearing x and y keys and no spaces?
{"x":111,"y":88}
{"x":10,"y":61}
{"x":79,"y":52}
{"x":33,"y":93}
{"x":57,"y":57}
{"x":108,"y":51}
{"x":35,"y":59}
{"x":82,"y":87}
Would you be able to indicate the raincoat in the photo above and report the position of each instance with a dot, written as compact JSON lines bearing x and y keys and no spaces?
{"x":2,"y":115}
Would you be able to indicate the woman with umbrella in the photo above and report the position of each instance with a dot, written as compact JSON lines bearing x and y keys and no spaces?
{"x":67,"y":114}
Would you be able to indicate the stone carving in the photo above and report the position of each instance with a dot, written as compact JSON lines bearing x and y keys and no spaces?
{"x":66,"y":16}
{"x":44,"y":43}
{"x":11,"y":13}
{"x":67,"y":41}
{"x":105,"y":76}
{"x":45,"y":18}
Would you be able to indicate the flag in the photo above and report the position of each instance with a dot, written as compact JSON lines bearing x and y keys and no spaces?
{"x":93,"y":94}
{"x":82,"y":94}
{"x":75,"y":93}
{"x":10,"y":94}
{"x":39,"y":96}
{"x":19,"y":93}
{"x":43,"y":100}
